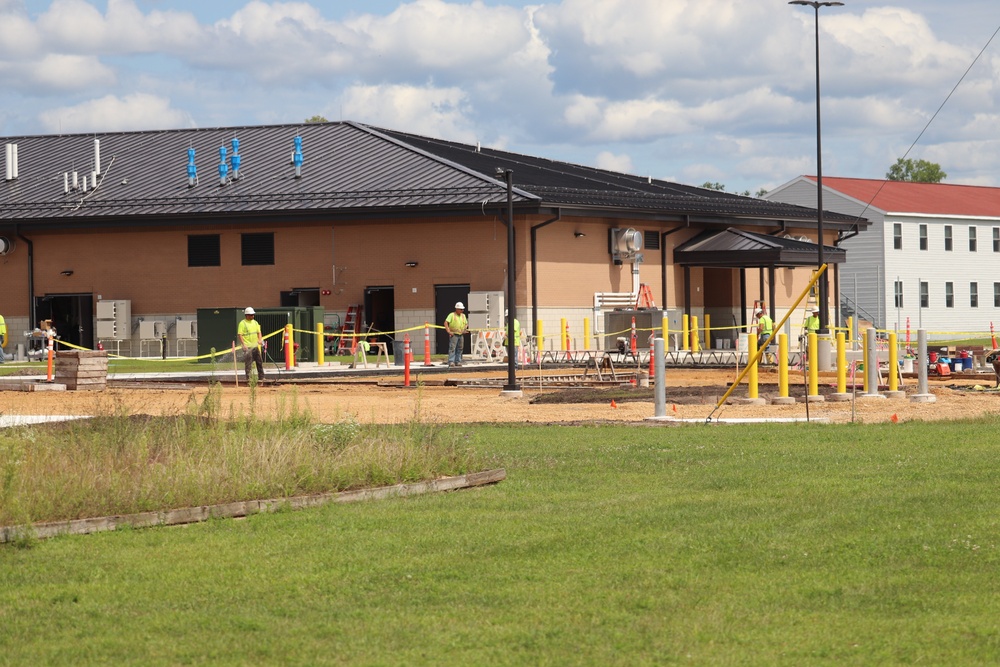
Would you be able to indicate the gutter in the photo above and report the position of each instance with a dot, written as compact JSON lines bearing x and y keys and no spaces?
{"x":31,"y":276}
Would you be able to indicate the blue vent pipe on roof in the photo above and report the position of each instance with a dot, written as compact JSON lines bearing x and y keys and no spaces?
{"x":192,"y":169}
{"x":297,"y":156}
{"x":236,"y":159}
{"x":223,"y":167}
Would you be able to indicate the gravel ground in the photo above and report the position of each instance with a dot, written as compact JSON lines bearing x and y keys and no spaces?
{"x":691,"y":394}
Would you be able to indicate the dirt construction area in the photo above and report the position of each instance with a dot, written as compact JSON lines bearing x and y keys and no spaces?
{"x":691,"y":394}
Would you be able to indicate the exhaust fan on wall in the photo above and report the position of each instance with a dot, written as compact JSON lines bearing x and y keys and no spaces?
{"x":6,"y":245}
{"x":624,"y":245}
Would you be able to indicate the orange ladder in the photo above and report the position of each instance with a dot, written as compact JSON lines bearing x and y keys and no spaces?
{"x":645,"y":297}
{"x":347,"y":339}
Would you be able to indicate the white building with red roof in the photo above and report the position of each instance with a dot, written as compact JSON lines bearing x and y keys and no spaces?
{"x":931,"y":254}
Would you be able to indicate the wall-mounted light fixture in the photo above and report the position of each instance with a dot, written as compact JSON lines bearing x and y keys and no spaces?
{"x":579,"y":235}
{"x":67,"y":273}
{"x":411,"y":264}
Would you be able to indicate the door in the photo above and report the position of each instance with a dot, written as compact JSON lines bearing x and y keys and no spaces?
{"x":300,"y":296}
{"x":72,"y":316}
{"x":445,"y":297}
{"x":380,"y":305}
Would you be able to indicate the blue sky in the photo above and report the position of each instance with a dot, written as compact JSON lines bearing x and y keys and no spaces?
{"x":687,"y":90}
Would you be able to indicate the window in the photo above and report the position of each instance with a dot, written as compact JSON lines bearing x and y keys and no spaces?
{"x":974,"y":295}
{"x":651,"y":240}
{"x":897,"y":236}
{"x":925,"y":296}
{"x":204,"y":250}
{"x":972,"y":239}
{"x":947,"y":237}
{"x":996,"y":295}
{"x":257,"y":249}
{"x":898,"y":289}
{"x":949,"y":295}
{"x":923,"y":237}
{"x":996,"y":239}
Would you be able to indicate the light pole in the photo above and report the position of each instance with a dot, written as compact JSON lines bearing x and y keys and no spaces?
{"x":511,"y":304}
{"x":823,"y":284}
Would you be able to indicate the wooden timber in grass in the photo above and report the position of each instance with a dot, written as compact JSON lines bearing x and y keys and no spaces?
{"x":82,"y":369}
{"x":185,"y":515}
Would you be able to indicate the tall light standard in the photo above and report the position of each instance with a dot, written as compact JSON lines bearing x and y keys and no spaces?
{"x":511,"y":386}
{"x":823,"y":285}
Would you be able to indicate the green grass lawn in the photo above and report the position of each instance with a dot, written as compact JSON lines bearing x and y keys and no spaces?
{"x":611,"y":545}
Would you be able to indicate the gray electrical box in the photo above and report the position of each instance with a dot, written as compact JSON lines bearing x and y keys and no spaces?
{"x":114,"y":320}
{"x":486,"y":310}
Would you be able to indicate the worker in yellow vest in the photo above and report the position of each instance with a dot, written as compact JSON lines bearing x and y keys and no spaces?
{"x":765,"y":327}
{"x":456,"y":324}
{"x":250,"y":337}
{"x":3,"y":338}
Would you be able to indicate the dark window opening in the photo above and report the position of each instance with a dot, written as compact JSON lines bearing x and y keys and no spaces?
{"x":204,"y":250}
{"x":257,"y":249}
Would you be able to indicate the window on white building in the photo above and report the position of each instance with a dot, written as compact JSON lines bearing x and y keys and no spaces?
{"x":972,"y":239}
{"x":949,"y":295}
{"x":898,"y":290}
{"x":897,"y":235}
{"x":947,"y":238}
{"x":974,"y":295}
{"x":996,"y":295}
{"x":996,"y":239}
{"x":925,"y":295}
{"x":923,"y":237}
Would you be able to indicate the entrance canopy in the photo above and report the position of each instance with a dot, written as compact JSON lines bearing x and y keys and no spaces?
{"x":737,"y":248}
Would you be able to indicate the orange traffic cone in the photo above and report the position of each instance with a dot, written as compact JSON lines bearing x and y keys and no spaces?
{"x":613,"y":404}
{"x":894,"y":419}
{"x":675,"y":407}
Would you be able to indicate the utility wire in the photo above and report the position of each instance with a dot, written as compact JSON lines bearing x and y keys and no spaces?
{"x":933,"y":117}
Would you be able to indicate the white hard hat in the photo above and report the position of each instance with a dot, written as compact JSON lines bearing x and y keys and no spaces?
{"x":248,"y":311}
{"x":506,"y":313}
{"x":815,"y":310}
{"x":459,"y":305}
{"x":760,"y":311}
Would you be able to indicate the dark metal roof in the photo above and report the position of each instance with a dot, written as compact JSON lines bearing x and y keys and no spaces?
{"x":349,"y":169}
{"x":739,"y":248}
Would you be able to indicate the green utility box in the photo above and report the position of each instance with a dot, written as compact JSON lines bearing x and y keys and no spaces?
{"x":217,"y":329}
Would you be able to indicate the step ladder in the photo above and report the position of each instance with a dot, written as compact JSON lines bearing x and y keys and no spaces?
{"x":347,"y":339}
{"x":645,"y":297}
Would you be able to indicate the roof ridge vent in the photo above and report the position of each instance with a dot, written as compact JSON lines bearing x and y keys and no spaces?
{"x":10,"y":152}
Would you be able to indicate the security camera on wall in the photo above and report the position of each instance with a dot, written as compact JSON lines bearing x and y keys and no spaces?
{"x":624,"y":245}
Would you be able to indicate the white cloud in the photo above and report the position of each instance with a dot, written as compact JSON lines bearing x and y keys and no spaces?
{"x":116,"y":114}
{"x":436,"y":112}
{"x":55,"y":73}
{"x":611,"y":162}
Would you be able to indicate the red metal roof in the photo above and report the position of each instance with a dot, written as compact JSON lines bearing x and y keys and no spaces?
{"x":906,"y":197}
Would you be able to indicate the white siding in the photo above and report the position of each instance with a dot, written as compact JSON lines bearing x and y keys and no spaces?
{"x":874,"y":265}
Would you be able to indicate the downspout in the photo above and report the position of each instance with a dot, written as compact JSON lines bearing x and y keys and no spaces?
{"x":534,"y":269}
{"x":31,"y":276}
{"x":663,"y":257}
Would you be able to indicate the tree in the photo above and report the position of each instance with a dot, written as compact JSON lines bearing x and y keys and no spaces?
{"x":317,"y":119}
{"x":916,"y":171}
{"x":721,"y":187}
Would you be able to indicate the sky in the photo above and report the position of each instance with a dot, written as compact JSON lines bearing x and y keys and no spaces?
{"x":694,"y":91}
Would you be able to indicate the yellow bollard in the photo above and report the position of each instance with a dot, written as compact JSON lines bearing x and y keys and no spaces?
{"x":320,"y":345}
{"x":893,"y":363}
{"x":586,"y":333}
{"x":563,"y":335}
{"x":813,"y":364}
{"x":694,"y":333}
{"x":850,"y":331}
{"x":752,"y":370}
{"x":864,"y":375}
{"x":782,"y":365}
{"x":665,"y":331}
{"x":685,"y":332}
{"x":841,"y":363}
{"x":541,"y":338}
{"x":708,"y":332}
